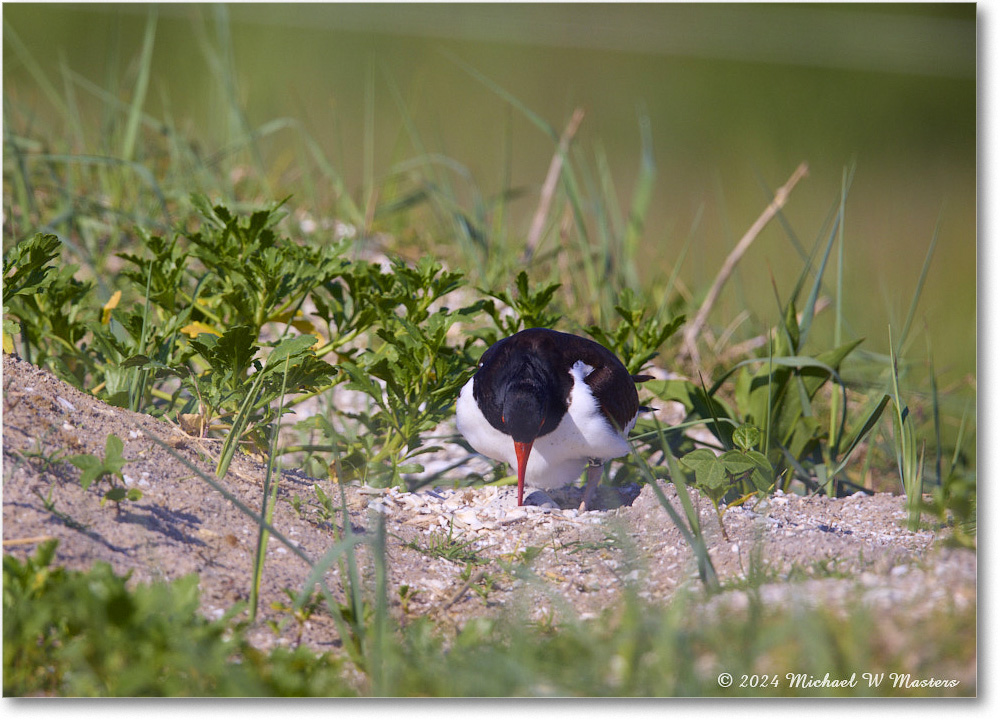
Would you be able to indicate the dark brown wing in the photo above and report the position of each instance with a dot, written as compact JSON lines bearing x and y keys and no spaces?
{"x":610,"y":382}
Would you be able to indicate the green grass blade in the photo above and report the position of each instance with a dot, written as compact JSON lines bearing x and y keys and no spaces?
{"x":378,"y":652}
{"x":937,"y":413}
{"x":527,"y":112}
{"x":769,"y":413}
{"x":678,"y":262}
{"x":268,"y":501}
{"x":715,"y":418}
{"x":242,"y":507}
{"x":501,"y":208}
{"x":368,"y":146}
{"x":318,"y":570}
{"x":239,"y":424}
{"x":798,"y":362}
{"x":809,"y":310}
{"x":141,"y":85}
{"x":768,"y":196}
{"x":919,"y":289}
{"x":958,"y":441}
{"x":611,"y":220}
{"x":641,"y":199}
{"x":835,"y":429}
{"x":441,"y":190}
{"x":50,"y":91}
{"x":910,"y":470}
{"x":138,"y":386}
{"x":866,"y":428}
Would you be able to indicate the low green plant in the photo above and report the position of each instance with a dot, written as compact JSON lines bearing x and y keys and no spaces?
{"x":44,"y":304}
{"x":95,"y":469}
{"x":411,"y":370}
{"x":718,"y":476}
{"x":406,"y":594}
{"x":480,"y":582}
{"x":532,"y":307}
{"x":952,"y":501}
{"x":224,"y":287}
{"x":909,"y":461}
{"x":205,"y":307}
{"x":69,"y":633}
{"x":638,"y":335}
{"x":322,"y":505}
{"x":43,"y":460}
{"x":299,"y":612}
{"x":448,"y":548}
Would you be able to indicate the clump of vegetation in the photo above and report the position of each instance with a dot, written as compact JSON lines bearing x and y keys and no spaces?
{"x":717,"y":476}
{"x":445,"y":546}
{"x":95,"y":469}
{"x":68,"y":633}
{"x":92,"y":634}
{"x":220,"y":309}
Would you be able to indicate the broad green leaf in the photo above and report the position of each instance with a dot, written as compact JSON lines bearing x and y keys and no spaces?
{"x":763,"y":472}
{"x":290,"y":347}
{"x":113,"y":448}
{"x":735,"y":462}
{"x":116,"y":494}
{"x":91,"y":466}
{"x":710,"y":473}
{"x":747,"y":436}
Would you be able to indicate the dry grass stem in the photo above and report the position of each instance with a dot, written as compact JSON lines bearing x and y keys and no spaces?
{"x":690,"y":348}
{"x":30,"y":541}
{"x":549,"y":187}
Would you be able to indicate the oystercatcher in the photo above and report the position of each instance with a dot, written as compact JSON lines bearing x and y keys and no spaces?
{"x":549,"y":404}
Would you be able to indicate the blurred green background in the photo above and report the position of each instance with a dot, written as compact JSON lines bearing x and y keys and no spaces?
{"x":736,"y":97}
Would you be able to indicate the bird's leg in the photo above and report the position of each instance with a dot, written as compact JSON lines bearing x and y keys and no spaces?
{"x":594,"y":472}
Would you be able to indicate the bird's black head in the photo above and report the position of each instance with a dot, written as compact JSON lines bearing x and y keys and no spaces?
{"x":524,"y":413}
{"x":520,"y":391}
